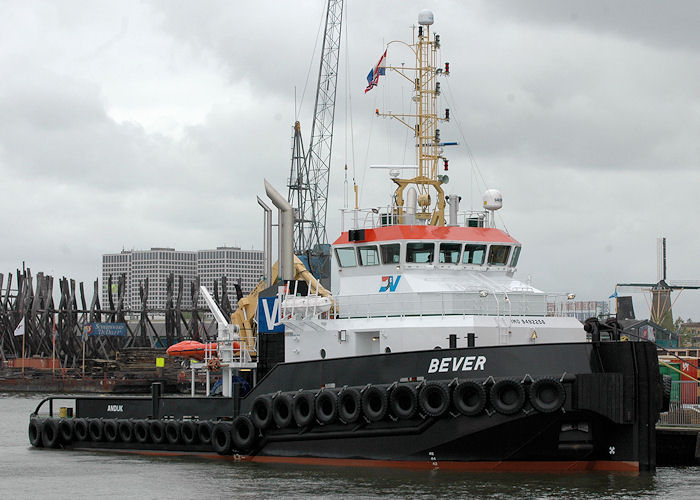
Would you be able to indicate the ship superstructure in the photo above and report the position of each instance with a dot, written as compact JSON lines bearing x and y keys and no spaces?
{"x":409,"y":277}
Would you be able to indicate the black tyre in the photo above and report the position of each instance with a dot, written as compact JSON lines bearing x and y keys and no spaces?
{"x":326,"y":406}
{"x":221,"y":438}
{"x":156,"y":431}
{"x":303,"y":409}
{"x":142,"y":431}
{"x":507,"y":396}
{"x":204,"y":431}
{"x":80,"y":429}
{"x":126,"y":430}
{"x":243,"y":433}
{"x":172,"y":431}
{"x":469,"y":398}
{"x":95,"y":429}
{"x":282,"y":410}
{"x":547,"y":395}
{"x":666,"y":398}
{"x":403,"y":401}
{"x":434,"y":398}
{"x":350,"y":405}
{"x":261,"y":412}
{"x":35,"y":428}
{"x":375,"y":403}
{"x":188,"y":432}
{"x":65,"y":431}
{"x":49,"y":433}
{"x":111,"y":430}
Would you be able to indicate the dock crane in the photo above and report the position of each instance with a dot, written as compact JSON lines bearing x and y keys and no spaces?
{"x":310,"y":170}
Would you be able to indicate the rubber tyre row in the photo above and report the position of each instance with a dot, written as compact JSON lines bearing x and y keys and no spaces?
{"x":51,"y":432}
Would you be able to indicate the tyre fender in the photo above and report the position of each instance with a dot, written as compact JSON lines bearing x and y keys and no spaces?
{"x":35,"y":428}
{"x":350,"y":405}
{"x":221,"y":438}
{"x":507,"y":396}
{"x":375,"y":402}
{"x":243,"y":433}
{"x":303,"y":408}
{"x":469,"y":398}
{"x":434,"y":398}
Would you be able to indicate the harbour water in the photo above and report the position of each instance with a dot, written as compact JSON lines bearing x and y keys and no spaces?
{"x":31,"y":473}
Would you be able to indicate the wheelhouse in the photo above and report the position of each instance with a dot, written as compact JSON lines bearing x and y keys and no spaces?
{"x":427,"y":247}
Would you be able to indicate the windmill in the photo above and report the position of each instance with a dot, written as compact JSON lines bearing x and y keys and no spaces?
{"x":661,"y":304}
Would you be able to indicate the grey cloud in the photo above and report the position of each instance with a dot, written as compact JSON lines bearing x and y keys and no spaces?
{"x":666,"y":24}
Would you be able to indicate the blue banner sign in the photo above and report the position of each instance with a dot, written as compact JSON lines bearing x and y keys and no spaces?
{"x":105,"y":330}
{"x":269,"y":315}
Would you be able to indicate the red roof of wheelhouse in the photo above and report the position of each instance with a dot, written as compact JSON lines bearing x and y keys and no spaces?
{"x":449,"y":233}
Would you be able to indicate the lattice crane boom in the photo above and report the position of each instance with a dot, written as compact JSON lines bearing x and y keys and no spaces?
{"x":308,"y":186}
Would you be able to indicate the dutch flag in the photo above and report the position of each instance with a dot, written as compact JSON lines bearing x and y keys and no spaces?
{"x":373,"y":76}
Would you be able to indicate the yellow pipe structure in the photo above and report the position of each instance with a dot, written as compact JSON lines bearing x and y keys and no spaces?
{"x":248,"y":305}
{"x":677,"y":370}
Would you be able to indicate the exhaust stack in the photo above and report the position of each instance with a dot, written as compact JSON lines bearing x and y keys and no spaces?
{"x":285,"y":233}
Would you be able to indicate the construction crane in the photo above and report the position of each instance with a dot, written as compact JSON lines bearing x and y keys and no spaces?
{"x":310,"y":170}
{"x":661,"y":305}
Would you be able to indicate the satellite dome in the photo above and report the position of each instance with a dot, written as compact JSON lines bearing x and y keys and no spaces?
{"x":425,"y":17}
{"x":493,"y":199}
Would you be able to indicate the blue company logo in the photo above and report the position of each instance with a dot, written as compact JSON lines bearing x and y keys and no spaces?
{"x":389,"y":283}
{"x":269,"y":315}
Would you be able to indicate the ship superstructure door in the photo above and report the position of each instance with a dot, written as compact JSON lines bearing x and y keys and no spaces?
{"x":367,"y":343}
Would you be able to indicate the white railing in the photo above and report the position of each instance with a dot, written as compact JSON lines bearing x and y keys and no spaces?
{"x":485,"y":302}
{"x":684,"y":408}
{"x":440,"y":303}
{"x":371,"y":218}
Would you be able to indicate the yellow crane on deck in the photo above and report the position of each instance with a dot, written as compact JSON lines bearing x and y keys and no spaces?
{"x":248,"y":305}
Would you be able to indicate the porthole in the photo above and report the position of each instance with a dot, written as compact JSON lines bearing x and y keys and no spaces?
{"x":387,"y":349}
{"x":323,"y":354}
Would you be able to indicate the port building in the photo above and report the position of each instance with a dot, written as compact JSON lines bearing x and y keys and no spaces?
{"x":158,"y":263}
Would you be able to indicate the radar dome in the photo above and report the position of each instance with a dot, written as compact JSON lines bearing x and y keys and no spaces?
{"x":425,"y":17}
{"x":493,"y":199}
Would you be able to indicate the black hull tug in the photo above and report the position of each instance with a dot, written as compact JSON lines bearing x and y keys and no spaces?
{"x":561,"y":407}
{"x":366,"y":377}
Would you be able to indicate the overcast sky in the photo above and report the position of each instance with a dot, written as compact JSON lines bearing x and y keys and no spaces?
{"x":138,"y":124}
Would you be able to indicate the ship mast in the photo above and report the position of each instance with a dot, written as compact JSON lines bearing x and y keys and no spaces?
{"x":424,"y":124}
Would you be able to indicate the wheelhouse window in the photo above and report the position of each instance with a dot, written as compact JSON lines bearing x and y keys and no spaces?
{"x":390,"y":253}
{"x":474,"y":254}
{"x":498,"y":255}
{"x":369,"y":256}
{"x":420,"y":252}
{"x":449,"y":253}
{"x":516,"y":256}
{"x":346,"y":256}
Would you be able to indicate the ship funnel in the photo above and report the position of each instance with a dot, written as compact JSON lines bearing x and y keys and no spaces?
{"x":453,"y":202}
{"x":411,"y":204}
{"x":285,"y":234}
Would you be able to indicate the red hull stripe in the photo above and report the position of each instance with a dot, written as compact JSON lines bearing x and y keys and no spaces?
{"x":450,"y":233}
{"x":510,"y":466}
